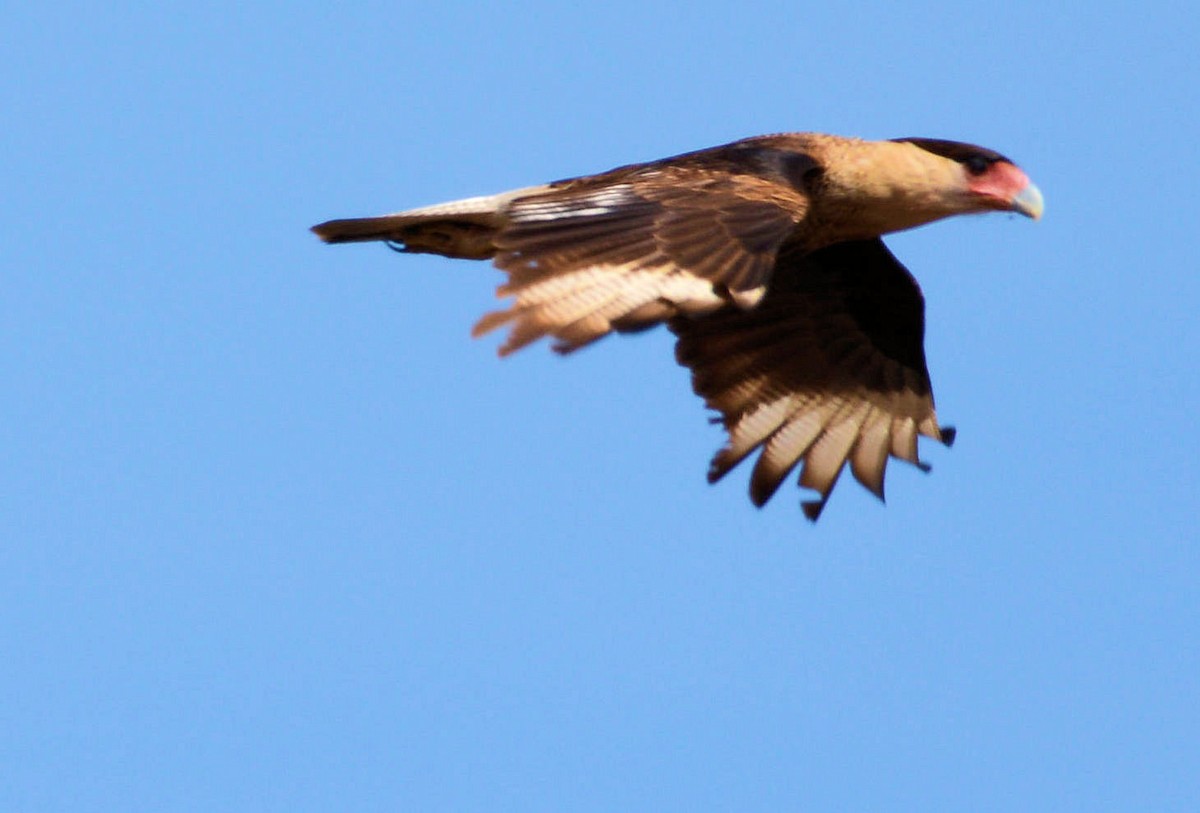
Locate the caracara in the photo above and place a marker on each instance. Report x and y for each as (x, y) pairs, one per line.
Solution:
(764, 258)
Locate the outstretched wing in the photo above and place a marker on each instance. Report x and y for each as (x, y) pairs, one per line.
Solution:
(631, 248)
(829, 367)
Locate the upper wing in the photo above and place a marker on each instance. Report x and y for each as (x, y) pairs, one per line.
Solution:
(628, 249)
(829, 367)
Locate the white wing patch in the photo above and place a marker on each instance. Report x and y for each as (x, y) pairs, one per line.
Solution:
(601, 202)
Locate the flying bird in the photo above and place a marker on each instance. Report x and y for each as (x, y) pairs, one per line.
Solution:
(801, 329)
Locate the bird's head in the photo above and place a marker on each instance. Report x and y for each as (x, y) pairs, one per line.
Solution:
(872, 188)
(987, 180)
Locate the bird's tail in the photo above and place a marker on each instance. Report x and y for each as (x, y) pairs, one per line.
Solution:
(419, 234)
(461, 228)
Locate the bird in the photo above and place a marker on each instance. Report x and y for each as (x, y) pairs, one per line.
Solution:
(802, 331)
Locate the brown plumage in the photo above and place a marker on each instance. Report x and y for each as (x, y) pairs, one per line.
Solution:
(763, 256)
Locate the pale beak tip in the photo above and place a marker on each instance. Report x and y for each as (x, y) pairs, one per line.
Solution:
(1029, 202)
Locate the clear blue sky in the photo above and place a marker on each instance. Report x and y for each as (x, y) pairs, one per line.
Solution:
(279, 536)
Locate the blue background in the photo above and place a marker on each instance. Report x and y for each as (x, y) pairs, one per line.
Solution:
(279, 536)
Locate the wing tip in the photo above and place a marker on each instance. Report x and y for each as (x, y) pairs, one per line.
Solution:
(490, 321)
(761, 493)
(721, 464)
(948, 435)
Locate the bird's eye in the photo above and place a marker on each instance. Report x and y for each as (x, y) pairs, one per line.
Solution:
(976, 164)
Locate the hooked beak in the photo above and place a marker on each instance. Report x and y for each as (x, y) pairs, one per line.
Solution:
(1028, 202)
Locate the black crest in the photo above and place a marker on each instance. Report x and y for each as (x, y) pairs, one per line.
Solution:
(957, 150)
